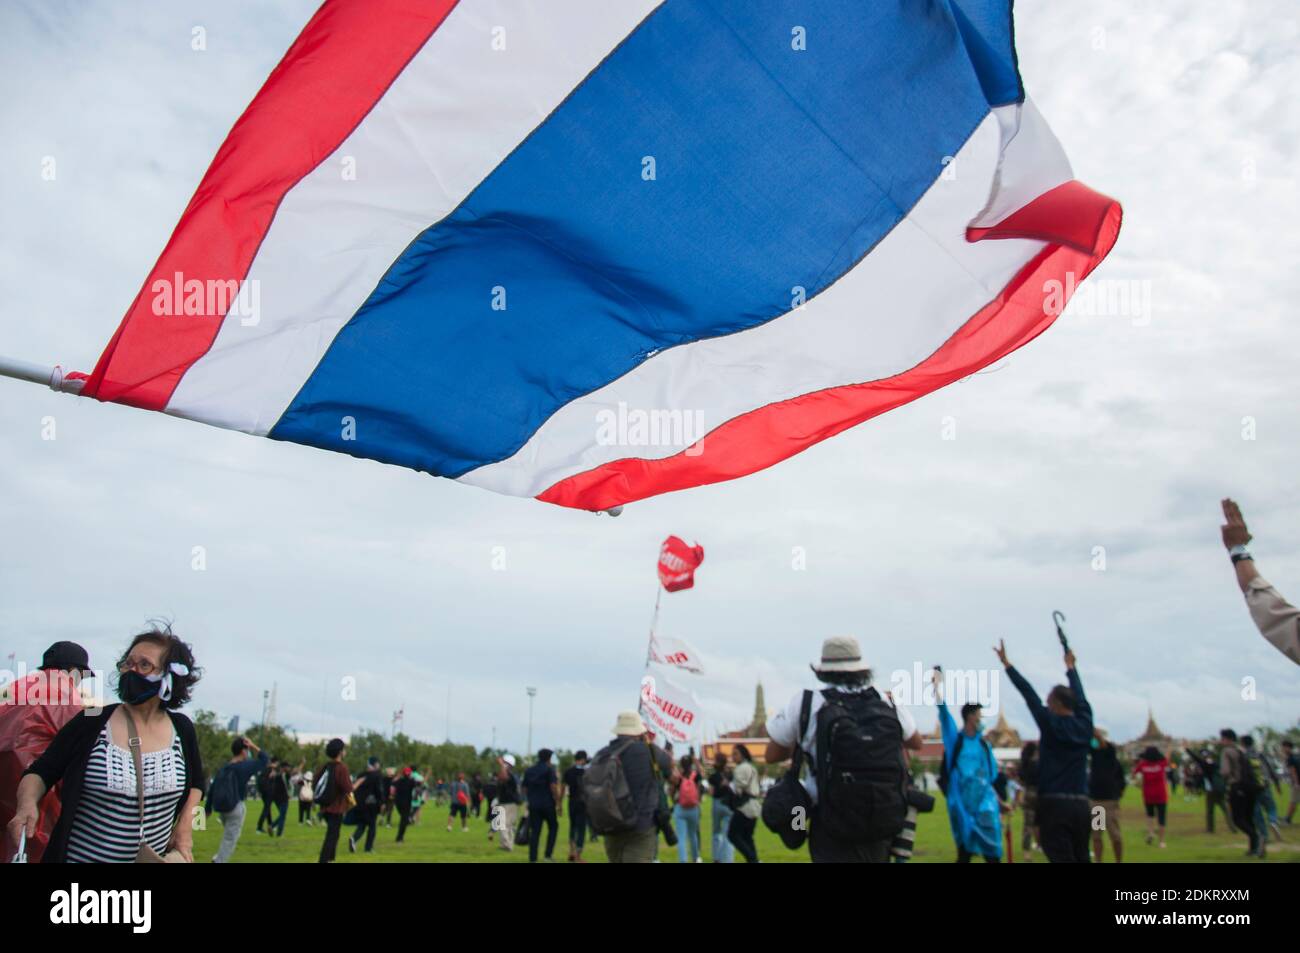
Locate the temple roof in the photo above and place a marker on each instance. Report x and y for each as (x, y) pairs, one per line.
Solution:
(1153, 732)
(1002, 735)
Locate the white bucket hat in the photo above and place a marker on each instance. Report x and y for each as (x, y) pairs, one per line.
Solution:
(841, 654)
(629, 723)
(508, 759)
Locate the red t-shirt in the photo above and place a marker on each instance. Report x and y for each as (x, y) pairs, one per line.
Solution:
(1155, 788)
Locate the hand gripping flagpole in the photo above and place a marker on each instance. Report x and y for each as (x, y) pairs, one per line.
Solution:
(54, 378)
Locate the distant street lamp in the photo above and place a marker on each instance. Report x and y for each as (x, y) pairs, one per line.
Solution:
(532, 693)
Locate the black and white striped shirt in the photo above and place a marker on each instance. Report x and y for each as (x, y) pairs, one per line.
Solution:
(107, 826)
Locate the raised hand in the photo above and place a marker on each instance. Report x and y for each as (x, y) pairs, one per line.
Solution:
(1234, 530)
(1001, 651)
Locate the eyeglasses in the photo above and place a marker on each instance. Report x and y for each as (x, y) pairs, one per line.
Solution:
(141, 665)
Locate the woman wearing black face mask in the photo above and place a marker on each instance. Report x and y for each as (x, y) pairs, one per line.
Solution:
(132, 776)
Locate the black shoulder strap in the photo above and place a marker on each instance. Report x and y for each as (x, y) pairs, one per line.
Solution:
(805, 713)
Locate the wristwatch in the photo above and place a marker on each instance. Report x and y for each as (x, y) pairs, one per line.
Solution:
(1239, 552)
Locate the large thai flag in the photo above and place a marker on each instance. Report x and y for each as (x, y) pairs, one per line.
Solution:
(595, 250)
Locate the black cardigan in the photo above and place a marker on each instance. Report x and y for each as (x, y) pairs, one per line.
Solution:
(66, 758)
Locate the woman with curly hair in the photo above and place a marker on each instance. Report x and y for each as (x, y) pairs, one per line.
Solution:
(132, 775)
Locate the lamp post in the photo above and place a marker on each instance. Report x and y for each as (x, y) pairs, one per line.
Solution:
(532, 693)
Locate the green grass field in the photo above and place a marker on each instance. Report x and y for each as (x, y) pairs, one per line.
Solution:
(431, 842)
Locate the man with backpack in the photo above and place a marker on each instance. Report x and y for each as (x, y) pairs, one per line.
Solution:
(333, 792)
(1243, 788)
(1265, 778)
(1065, 727)
(1106, 783)
(621, 788)
(968, 779)
(854, 738)
(571, 784)
(460, 800)
(226, 794)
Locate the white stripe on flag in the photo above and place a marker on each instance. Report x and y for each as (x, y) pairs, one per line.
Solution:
(458, 109)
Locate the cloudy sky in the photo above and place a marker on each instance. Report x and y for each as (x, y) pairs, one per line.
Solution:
(1113, 431)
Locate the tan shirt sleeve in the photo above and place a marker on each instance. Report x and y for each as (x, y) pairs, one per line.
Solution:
(1277, 620)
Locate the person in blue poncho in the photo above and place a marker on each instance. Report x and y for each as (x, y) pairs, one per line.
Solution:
(968, 781)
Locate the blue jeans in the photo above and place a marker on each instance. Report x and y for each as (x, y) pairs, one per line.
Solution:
(277, 825)
(723, 852)
(1265, 810)
(687, 822)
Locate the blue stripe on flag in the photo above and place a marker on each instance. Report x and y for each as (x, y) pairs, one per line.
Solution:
(774, 167)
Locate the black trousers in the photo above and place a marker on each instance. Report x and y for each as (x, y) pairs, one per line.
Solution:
(1243, 814)
(304, 811)
(741, 836)
(404, 812)
(265, 816)
(827, 850)
(537, 816)
(367, 822)
(577, 823)
(1064, 828)
(333, 823)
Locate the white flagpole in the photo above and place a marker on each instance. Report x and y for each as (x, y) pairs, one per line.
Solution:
(51, 377)
(654, 622)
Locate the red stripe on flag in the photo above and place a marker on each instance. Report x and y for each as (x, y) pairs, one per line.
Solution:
(341, 64)
(1082, 226)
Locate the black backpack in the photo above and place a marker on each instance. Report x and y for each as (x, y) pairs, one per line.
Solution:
(611, 808)
(861, 772)
(326, 789)
(225, 790)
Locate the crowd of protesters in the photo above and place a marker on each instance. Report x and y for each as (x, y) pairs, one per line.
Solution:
(125, 782)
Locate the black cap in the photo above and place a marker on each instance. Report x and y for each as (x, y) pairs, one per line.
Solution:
(66, 656)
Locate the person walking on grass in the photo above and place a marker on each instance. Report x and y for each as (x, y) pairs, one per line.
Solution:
(509, 797)
(749, 806)
(1291, 765)
(226, 793)
(1152, 767)
(720, 797)
(1029, 779)
(622, 787)
(369, 793)
(1216, 789)
(333, 794)
(1065, 727)
(265, 825)
(476, 794)
(403, 793)
(280, 798)
(686, 810)
(303, 781)
(967, 781)
(571, 784)
(852, 733)
(543, 789)
(1265, 804)
(1243, 790)
(390, 786)
(1106, 783)
(460, 799)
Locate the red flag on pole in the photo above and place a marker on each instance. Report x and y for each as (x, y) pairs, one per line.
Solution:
(677, 563)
